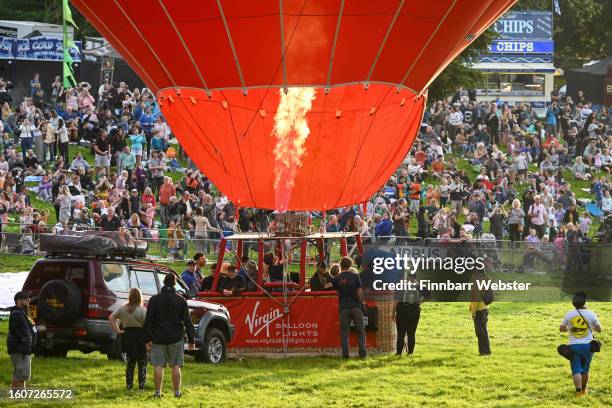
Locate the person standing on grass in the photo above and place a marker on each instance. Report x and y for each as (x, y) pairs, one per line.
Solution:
(62, 139)
(132, 318)
(352, 305)
(166, 323)
(480, 316)
(21, 340)
(407, 312)
(580, 323)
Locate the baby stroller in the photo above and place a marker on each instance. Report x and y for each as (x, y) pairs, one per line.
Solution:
(490, 251)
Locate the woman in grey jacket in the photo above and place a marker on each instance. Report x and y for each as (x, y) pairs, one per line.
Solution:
(516, 220)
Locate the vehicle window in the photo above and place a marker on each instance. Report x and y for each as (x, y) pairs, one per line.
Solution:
(145, 281)
(161, 274)
(76, 273)
(116, 277)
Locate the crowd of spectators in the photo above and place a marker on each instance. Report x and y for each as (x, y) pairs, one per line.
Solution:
(105, 159)
(474, 168)
(491, 168)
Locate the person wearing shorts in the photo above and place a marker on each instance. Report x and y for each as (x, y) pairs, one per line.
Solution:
(164, 355)
(580, 323)
(21, 340)
(166, 323)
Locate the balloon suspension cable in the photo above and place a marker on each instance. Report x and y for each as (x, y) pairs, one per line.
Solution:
(323, 226)
(285, 328)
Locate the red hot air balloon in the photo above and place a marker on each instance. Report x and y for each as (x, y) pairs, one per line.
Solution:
(292, 104)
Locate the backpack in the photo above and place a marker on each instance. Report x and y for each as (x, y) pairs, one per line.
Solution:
(488, 296)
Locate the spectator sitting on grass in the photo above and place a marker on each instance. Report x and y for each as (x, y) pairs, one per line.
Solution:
(580, 170)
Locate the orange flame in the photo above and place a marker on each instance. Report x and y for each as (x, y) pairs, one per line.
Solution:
(291, 131)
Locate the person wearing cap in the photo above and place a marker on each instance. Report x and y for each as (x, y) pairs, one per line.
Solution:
(21, 340)
(580, 323)
(166, 323)
(233, 283)
(135, 207)
(321, 280)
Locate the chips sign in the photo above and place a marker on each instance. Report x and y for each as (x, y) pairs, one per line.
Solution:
(525, 25)
(522, 47)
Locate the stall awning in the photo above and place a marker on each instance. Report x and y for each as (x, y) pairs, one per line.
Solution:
(514, 67)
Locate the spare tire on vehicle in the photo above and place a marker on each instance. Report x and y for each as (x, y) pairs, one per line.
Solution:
(59, 301)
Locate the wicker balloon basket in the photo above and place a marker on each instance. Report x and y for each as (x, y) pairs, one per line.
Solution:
(386, 334)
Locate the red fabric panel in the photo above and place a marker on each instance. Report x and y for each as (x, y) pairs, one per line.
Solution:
(155, 28)
(346, 160)
(105, 27)
(411, 31)
(362, 29)
(308, 30)
(256, 34)
(203, 31)
(117, 26)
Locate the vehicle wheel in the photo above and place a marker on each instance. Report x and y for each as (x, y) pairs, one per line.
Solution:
(59, 301)
(55, 353)
(114, 351)
(214, 348)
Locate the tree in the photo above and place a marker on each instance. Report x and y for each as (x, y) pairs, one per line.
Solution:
(459, 74)
(44, 11)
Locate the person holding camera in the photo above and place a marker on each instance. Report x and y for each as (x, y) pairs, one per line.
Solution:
(351, 304)
(538, 216)
(580, 323)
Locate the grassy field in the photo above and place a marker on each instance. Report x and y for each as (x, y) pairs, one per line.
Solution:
(523, 371)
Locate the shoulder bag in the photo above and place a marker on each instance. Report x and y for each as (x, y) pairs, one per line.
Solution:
(595, 344)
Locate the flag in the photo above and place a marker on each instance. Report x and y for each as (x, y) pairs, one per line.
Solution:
(69, 79)
(557, 7)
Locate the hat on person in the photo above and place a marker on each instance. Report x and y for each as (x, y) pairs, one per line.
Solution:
(134, 190)
(22, 295)
(321, 264)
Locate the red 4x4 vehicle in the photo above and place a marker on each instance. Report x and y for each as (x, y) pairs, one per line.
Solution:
(74, 296)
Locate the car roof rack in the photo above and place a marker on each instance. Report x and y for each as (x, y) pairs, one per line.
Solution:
(70, 255)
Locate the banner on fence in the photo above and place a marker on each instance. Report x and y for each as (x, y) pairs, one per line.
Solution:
(43, 48)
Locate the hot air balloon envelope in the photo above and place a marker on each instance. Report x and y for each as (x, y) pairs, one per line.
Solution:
(219, 69)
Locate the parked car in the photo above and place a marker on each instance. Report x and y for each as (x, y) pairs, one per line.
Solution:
(73, 296)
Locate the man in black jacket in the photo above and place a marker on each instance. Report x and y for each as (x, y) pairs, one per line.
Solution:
(21, 340)
(166, 322)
